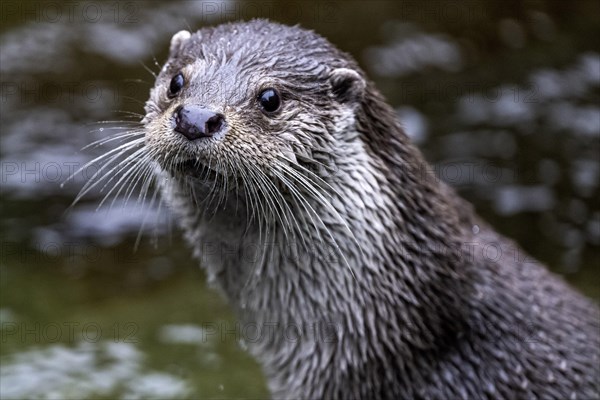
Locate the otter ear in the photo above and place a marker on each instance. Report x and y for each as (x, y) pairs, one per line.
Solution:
(177, 40)
(347, 85)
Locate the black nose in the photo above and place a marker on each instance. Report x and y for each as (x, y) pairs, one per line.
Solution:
(195, 122)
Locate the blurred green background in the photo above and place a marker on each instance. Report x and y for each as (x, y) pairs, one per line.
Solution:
(502, 96)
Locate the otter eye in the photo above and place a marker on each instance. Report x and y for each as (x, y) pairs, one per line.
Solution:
(269, 100)
(176, 85)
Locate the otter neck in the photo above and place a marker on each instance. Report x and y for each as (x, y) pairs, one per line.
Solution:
(390, 235)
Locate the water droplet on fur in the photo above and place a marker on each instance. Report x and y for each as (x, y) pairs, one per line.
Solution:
(475, 229)
(563, 365)
(101, 129)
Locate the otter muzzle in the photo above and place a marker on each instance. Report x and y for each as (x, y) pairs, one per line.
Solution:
(195, 122)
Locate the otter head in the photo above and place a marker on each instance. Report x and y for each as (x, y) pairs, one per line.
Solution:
(252, 101)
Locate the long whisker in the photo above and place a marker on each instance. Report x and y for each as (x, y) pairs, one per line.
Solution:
(95, 181)
(131, 176)
(318, 196)
(118, 150)
(112, 138)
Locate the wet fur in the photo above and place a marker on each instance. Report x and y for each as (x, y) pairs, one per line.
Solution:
(377, 252)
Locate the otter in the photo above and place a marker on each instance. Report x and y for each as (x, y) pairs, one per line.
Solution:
(309, 208)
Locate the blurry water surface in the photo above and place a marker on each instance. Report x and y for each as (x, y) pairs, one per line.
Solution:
(502, 98)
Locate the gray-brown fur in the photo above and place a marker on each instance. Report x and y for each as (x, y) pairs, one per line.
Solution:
(386, 259)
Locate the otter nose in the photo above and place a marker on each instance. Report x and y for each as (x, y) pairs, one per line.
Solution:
(195, 122)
